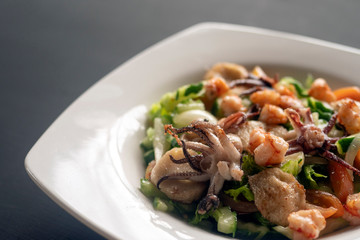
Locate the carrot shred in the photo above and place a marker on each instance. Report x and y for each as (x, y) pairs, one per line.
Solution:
(347, 92)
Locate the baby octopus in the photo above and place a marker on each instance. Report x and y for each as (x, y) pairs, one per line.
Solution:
(219, 160)
(311, 139)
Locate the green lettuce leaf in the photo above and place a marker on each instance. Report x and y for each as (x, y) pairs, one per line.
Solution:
(168, 103)
(249, 166)
(310, 176)
(243, 190)
(293, 163)
(319, 107)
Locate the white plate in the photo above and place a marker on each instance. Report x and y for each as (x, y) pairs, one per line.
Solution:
(89, 160)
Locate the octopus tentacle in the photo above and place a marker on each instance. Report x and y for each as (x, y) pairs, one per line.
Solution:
(252, 90)
(294, 119)
(199, 147)
(332, 157)
(182, 160)
(208, 202)
(194, 176)
(193, 163)
(292, 143)
(211, 200)
(232, 152)
(306, 114)
(330, 124)
(248, 82)
(294, 149)
(174, 131)
(254, 109)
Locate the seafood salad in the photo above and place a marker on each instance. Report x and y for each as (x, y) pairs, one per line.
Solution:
(255, 156)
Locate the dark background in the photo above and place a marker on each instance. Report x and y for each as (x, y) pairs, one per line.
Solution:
(52, 51)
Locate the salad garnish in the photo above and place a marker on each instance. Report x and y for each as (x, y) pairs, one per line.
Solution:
(255, 156)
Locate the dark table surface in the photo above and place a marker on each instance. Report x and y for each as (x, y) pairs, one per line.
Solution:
(52, 51)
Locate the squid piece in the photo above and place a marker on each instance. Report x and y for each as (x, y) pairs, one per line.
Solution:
(184, 184)
(219, 160)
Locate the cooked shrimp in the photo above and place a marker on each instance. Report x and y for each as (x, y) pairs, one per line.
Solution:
(214, 88)
(321, 91)
(272, 114)
(268, 149)
(265, 96)
(228, 71)
(352, 209)
(353, 204)
(245, 130)
(349, 115)
(285, 90)
(231, 104)
(219, 85)
(257, 137)
(306, 224)
(290, 102)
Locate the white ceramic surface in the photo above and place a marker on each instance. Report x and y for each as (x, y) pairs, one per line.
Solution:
(89, 160)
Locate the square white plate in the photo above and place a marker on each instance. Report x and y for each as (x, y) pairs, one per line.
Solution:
(89, 160)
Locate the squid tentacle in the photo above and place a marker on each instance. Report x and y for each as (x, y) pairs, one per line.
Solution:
(195, 176)
(332, 157)
(330, 124)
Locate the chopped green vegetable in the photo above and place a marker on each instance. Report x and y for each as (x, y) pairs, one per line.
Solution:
(147, 142)
(249, 230)
(309, 173)
(300, 90)
(185, 118)
(149, 190)
(215, 109)
(244, 190)
(325, 112)
(163, 205)
(169, 101)
(149, 156)
(286, 231)
(189, 104)
(193, 89)
(309, 81)
(288, 126)
(226, 220)
(199, 217)
(320, 123)
(344, 144)
(157, 111)
(293, 163)
(160, 144)
(249, 166)
(185, 209)
(263, 221)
